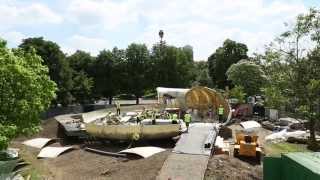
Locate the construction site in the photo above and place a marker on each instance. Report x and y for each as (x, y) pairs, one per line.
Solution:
(223, 140)
(160, 90)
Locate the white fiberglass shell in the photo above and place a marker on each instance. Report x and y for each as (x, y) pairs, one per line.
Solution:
(143, 151)
(37, 142)
(52, 152)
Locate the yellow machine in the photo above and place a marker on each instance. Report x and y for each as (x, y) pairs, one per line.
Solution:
(247, 145)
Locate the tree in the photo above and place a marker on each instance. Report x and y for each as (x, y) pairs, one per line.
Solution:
(137, 57)
(201, 73)
(293, 60)
(81, 64)
(172, 66)
(248, 75)
(219, 62)
(238, 93)
(106, 76)
(59, 70)
(26, 91)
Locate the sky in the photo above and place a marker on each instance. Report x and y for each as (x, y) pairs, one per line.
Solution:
(94, 25)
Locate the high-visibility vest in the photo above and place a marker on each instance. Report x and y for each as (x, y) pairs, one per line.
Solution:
(174, 117)
(118, 105)
(187, 118)
(220, 110)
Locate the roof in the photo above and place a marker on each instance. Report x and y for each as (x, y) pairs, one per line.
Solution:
(309, 160)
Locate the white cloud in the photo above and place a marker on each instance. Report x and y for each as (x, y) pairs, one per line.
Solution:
(13, 14)
(13, 37)
(79, 42)
(104, 13)
(206, 24)
(203, 24)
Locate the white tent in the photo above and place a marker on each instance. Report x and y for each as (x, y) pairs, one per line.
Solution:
(177, 96)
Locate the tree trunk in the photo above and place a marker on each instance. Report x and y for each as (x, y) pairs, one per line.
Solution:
(312, 130)
(110, 99)
(137, 100)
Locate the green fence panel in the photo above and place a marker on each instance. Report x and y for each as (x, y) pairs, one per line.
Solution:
(272, 168)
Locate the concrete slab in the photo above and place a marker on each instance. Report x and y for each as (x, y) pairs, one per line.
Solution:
(184, 167)
(193, 141)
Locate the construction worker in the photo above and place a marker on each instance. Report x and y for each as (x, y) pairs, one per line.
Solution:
(174, 119)
(118, 107)
(187, 119)
(220, 113)
(153, 116)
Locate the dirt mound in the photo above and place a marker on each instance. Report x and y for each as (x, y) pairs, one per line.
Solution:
(224, 167)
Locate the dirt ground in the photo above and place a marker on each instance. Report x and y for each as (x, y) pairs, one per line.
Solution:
(222, 167)
(79, 164)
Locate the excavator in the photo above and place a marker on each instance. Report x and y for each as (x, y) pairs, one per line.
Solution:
(247, 145)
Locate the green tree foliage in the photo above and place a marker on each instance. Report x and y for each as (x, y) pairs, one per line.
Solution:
(26, 91)
(201, 73)
(136, 62)
(248, 75)
(59, 70)
(81, 64)
(219, 62)
(238, 93)
(106, 74)
(172, 66)
(292, 65)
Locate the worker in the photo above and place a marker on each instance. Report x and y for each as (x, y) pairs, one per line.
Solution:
(220, 113)
(187, 119)
(139, 118)
(174, 119)
(153, 116)
(118, 107)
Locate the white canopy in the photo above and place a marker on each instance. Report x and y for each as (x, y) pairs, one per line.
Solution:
(174, 92)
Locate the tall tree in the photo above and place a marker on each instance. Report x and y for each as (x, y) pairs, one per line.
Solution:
(219, 62)
(248, 75)
(137, 57)
(25, 91)
(106, 77)
(201, 73)
(59, 70)
(172, 66)
(81, 64)
(294, 65)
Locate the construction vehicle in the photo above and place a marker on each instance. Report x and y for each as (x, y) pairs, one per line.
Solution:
(247, 146)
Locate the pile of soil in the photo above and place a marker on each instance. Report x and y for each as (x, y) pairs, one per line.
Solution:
(222, 167)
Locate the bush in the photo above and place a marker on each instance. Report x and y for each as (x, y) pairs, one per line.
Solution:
(26, 91)
(238, 93)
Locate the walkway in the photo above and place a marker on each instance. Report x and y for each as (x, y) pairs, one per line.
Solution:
(189, 158)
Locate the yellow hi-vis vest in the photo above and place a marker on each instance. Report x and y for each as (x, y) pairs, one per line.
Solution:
(220, 110)
(174, 117)
(187, 118)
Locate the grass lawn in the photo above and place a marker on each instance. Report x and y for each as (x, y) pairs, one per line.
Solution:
(275, 149)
